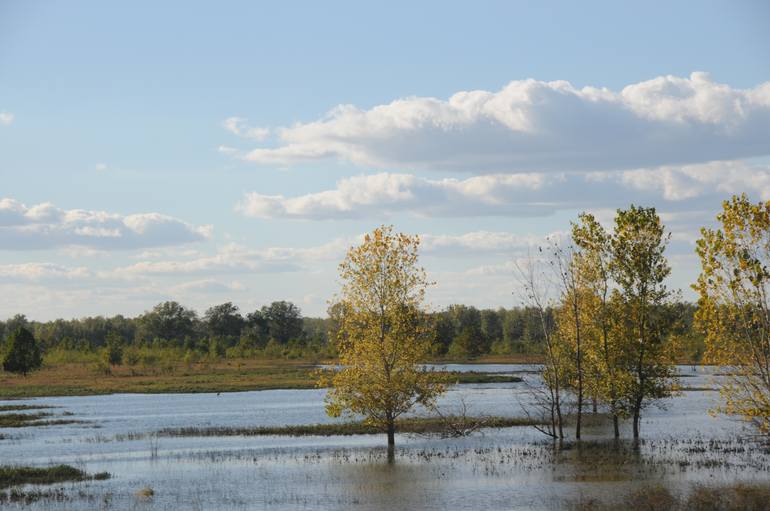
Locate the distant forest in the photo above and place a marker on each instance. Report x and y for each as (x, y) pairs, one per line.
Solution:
(280, 330)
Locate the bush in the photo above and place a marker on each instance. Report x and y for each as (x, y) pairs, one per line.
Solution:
(22, 354)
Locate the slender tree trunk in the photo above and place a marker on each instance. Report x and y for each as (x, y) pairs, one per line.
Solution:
(594, 405)
(558, 415)
(637, 415)
(391, 440)
(615, 425)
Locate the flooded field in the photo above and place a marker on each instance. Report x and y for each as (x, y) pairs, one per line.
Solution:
(512, 468)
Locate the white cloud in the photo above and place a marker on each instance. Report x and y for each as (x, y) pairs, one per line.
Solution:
(227, 149)
(236, 259)
(362, 195)
(6, 118)
(691, 181)
(100, 167)
(45, 226)
(698, 187)
(207, 286)
(237, 126)
(36, 272)
(532, 125)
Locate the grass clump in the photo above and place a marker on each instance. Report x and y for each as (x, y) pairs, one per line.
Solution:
(477, 377)
(20, 408)
(19, 475)
(24, 420)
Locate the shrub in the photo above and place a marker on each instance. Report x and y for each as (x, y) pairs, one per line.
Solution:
(22, 353)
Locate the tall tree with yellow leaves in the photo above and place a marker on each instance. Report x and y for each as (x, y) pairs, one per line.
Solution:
(604, 355)
(640, 269)
(734, 308)
(382, 333)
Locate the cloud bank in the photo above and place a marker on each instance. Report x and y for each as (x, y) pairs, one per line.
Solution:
(522, 195)
(45, 226)
(535, 126)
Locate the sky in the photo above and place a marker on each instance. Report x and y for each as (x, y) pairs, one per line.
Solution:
(208, 152)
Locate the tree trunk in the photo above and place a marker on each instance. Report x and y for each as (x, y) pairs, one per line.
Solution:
(579, 414)
(615, 425)
(391, 441)
(637, 413)
(595, 406)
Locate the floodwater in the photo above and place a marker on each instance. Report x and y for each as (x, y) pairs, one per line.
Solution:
(513, 468)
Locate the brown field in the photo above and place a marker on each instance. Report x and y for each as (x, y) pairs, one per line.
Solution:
(230, 375)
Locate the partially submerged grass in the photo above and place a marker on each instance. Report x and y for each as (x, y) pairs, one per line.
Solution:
(19, 496)
(18, 475)
(736, 497)
(697, 389)
(421, 425)
(19, 408)
(477, 377)
(25, 420)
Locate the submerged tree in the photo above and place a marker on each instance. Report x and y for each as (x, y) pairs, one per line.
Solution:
(570, 324)
(548, 400)
(382, 333)
(640, 269)
(603, 347)
(22, 353)
(734, 309)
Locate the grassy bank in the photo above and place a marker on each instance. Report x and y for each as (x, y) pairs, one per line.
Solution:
(230, 375)
(16, 475)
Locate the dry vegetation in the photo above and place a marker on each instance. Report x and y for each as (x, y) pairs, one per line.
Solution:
(228, 375)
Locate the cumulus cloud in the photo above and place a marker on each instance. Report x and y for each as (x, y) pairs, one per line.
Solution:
(535, 126)
(530, 194)
(46, 226)
(239, 127)
(6, 118)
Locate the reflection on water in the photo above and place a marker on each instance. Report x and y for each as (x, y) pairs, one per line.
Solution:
(515, 468)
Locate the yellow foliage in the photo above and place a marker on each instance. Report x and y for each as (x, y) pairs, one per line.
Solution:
(733, 308)
(381, 332)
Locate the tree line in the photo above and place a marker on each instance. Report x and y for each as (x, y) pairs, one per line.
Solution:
(459, 331)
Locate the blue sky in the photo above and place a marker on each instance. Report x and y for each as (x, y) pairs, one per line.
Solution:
(197, 151)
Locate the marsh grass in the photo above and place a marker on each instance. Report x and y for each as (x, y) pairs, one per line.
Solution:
(700, 497)
(19, 475)
(419, 425)
(25, 420)
(20, 408)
